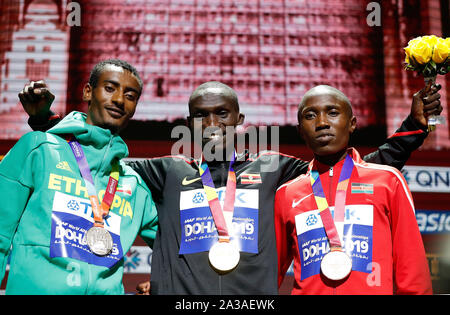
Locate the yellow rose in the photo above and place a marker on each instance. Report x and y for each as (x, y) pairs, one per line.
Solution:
(408, 54)
(447, 41)
(420, 50)
(408, 49)
(411, 43)
(441, 51)
(414, 40)
(430, 40)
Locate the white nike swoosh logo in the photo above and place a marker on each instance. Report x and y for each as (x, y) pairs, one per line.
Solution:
(189, 181)
(296, 203)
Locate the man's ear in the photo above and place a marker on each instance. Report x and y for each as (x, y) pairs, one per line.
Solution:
(241, 119)
(352, 124)
(87, 93)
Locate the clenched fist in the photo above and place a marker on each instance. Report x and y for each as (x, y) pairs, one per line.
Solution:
(36, 98)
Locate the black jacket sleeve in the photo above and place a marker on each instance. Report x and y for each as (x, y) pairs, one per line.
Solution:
(398, 148)
(291, 168)
(43, 122)
(153, 172)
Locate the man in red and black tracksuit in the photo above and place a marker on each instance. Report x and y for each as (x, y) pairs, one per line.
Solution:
(380, 232)
(178, 193)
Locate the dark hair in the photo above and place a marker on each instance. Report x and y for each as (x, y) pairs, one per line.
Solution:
(321, 89)
(221, 88)
(99, 67)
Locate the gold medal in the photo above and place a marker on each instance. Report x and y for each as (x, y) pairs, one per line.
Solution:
(224, 256)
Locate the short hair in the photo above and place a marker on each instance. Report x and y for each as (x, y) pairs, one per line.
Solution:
(99, 67)
(220, 87)
(319, 90)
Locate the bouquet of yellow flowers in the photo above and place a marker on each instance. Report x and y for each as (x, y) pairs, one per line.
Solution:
(429, 56)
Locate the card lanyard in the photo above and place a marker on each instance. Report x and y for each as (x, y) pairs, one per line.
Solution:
(213, 199)
(100, 211)
(331, 226)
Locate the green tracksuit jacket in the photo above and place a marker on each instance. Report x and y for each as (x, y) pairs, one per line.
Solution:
(45, 211)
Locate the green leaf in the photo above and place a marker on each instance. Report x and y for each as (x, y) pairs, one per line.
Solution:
(432, 65)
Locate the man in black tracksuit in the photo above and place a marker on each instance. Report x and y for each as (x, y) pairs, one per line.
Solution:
(185, 223)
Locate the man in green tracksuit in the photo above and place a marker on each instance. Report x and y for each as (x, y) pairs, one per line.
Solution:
(46, 204)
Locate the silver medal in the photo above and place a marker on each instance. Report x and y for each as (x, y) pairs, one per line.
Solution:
(99, 241)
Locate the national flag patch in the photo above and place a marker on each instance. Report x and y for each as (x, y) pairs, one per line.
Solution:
(360, 188)
(126, 189)
(247, 179)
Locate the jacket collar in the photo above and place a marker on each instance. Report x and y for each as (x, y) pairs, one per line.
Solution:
(93, 138)
(354, 154)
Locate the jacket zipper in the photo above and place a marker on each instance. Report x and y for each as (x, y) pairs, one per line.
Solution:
(330, 190)
(105, 155)
(95, 177)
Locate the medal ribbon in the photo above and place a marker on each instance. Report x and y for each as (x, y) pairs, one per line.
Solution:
(100, 211)
(213, 199)
(339, 207)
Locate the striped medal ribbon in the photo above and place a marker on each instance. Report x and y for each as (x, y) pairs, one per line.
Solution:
(223, 255)
(98, 238)
(336, 264)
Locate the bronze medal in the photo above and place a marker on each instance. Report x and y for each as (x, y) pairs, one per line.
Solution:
(336, 265)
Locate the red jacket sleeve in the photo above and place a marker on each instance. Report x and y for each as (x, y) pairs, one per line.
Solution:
(411, 272)
(283, 235)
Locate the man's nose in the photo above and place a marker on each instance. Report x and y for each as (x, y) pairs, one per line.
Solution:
(322, 121)
(211, 120)
(118, 98)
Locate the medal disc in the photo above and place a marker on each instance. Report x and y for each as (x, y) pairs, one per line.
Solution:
(336, 265)
(99, 241)
(224, 256)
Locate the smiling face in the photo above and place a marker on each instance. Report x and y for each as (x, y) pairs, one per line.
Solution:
(112, 102)
(213, 111)
(325, 123)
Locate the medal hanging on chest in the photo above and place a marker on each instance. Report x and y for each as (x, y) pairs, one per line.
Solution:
(336, 264)
(223, 255)
(97, 237)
